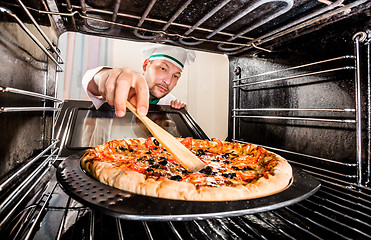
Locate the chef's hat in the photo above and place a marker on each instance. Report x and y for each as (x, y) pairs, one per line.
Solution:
(176, 55)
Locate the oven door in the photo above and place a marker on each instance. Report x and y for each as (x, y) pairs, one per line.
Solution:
(81, 126)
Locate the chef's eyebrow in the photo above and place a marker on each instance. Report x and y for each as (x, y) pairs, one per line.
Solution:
(164, 62)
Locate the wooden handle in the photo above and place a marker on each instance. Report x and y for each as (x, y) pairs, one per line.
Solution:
(185, 157)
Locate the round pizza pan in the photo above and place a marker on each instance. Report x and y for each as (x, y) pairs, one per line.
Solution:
(126, 205)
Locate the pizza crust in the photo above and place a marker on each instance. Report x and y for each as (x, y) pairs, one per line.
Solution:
(135, 182)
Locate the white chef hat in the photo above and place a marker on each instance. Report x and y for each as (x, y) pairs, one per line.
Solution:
(176, 55)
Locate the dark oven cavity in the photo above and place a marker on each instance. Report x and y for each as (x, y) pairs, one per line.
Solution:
(299, 86)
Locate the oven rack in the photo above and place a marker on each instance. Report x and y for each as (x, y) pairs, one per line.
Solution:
(318, 217)
(34, 175)
(43, 97)
(158, 34)
(33, 37)
(57, 62)
(195, 34)
(245, 84)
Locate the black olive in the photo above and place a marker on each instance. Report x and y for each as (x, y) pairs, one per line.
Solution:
(175, 178)
(148, 152)
(156, 166)
(131, 150)
(123, 148)
(200, 152)
(156, 142)
(225, 156)
(154, 148)
(229, 175)
(162, 158)
(185, 171)
(151, 161)
(207, 170)
(242, 169)
(150, 170)
(215, 160)
(163, 162)
(235, 168)
(227, 162)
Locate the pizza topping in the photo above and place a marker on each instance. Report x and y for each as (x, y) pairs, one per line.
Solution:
(187, 142)
(175, 178)
(228, 164)
(156, 142)
(200, 152)
(207, 170)
(246, 176)
(218, 147)
(229, 175)
(241, 169)
(163, 162)
(225, 156)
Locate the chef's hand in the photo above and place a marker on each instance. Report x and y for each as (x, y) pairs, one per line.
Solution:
(117, 85)
(178, 104)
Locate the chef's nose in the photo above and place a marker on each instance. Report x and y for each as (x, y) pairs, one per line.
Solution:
(167, 80)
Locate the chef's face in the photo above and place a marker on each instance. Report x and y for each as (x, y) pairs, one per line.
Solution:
(161, 76)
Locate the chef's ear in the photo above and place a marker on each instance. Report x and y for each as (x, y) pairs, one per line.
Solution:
(145, 64)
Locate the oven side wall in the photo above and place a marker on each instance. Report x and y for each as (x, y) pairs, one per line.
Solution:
(334, 90)
(24, 66)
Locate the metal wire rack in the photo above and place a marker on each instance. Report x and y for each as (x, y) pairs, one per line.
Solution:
(319, 217)
(196, 34)
(249, 83)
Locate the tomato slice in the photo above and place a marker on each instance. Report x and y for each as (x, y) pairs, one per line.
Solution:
(113, 144)
(171, 158)
(112, 156)
(137, 168)
(195, 177)
(218, 148)
(187, 142)
(135, 144)
(201, 144)
(149, 143)
(259, 155)
(245, 176)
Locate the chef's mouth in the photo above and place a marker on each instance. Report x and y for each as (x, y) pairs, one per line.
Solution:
(163, 88)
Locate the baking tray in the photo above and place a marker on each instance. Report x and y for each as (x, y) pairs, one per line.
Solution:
(118, 203)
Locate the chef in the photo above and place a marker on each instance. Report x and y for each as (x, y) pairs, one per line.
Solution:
(162, 69)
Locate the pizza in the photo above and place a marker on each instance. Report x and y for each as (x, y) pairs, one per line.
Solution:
(234, 170)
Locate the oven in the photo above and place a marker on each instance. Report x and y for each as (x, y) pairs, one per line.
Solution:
(299, 85)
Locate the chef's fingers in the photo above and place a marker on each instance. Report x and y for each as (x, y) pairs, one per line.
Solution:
(123, 85)
(177, 104)
(141, 94)
(111, 85)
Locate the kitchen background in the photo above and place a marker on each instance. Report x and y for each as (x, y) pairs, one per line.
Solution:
(203, 85)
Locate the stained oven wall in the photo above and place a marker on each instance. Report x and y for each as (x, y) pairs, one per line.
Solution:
(332, 141)
(24, 66)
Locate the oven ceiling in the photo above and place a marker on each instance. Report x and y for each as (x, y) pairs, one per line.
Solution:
(233, 27)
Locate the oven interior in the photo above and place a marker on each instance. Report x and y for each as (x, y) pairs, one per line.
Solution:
(299, 86)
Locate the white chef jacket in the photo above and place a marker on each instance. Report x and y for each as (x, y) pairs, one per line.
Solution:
(98, 100)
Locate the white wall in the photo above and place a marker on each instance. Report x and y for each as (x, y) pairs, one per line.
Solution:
(203, 85)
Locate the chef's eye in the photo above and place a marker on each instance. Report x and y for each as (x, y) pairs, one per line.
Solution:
(163, 69)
